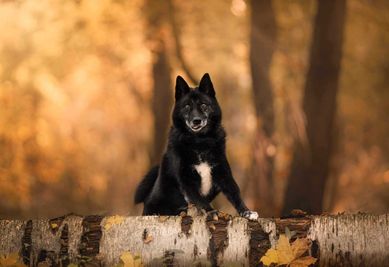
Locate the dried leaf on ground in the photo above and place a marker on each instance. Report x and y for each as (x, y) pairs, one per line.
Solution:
(289, 254)
(303, 262)
(148, 239)
(129, 260)
(11, 260)
(113, 220)
(270, 257)
(284, 250)
(54, 225)
(300, 246)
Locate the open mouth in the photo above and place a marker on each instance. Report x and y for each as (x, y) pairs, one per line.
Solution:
(196, 127)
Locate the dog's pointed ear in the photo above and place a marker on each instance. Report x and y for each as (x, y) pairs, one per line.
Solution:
(182, 88)
(206, 85)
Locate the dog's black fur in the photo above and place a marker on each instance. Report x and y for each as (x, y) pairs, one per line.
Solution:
(196, 137)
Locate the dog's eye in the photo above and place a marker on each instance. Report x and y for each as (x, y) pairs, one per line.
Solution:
(186, 108)
(204, 107)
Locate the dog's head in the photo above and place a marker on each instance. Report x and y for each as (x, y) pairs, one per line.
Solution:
(196, 110)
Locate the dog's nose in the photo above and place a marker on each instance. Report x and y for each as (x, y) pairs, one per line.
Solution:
(196, 121)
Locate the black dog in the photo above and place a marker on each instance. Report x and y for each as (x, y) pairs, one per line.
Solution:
(194, 168)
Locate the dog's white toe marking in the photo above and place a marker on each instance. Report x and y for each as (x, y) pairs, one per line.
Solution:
(251, 215)
(204, 170)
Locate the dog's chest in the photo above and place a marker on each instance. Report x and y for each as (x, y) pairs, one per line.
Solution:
(204, 169)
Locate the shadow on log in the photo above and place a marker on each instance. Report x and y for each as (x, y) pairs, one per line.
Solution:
(192, 240)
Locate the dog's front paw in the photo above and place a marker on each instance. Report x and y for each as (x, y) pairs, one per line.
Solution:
(251, 215)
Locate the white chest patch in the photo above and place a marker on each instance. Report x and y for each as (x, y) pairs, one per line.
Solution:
(204, 170)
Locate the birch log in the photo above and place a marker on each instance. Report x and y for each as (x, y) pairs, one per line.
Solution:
(341, 240)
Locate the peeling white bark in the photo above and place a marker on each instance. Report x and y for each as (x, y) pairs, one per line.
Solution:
(238, 243)
(347, 240)
(11, 233)
(352, 240)
(166, 237)
(43, 238)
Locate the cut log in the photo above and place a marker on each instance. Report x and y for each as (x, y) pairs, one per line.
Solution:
(189, 240)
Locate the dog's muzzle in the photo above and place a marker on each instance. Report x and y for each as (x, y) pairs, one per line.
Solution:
(196, 124)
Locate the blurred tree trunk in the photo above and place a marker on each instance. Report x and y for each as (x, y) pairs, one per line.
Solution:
(310, 166)
(178, 48)
(156, 15)
(262, 45)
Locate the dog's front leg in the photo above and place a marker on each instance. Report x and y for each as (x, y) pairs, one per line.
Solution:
(230, 189)
(198, 200)
(193, 196)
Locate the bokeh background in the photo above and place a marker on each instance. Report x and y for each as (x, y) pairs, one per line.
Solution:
(86, 91)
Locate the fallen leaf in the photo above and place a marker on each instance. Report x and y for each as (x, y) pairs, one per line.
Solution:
(270, 257)
(284, 250)
(129, 260)
(288, 254)
(303, 262)
(11, 260)
(112, 220)
(148, 239)
(299, 247)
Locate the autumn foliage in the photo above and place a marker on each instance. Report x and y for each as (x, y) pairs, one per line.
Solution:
(77, 110)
